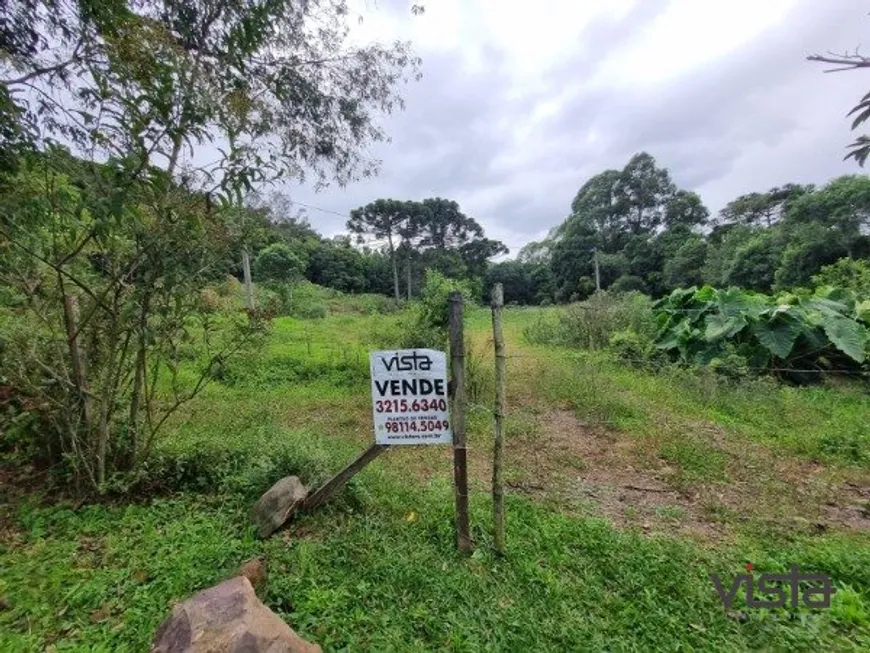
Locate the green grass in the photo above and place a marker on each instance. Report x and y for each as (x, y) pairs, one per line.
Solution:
(814, 422)
(366, 574)
(362, 577)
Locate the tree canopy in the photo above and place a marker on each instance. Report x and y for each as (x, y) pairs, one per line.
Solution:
(647, 234)
(433, 233)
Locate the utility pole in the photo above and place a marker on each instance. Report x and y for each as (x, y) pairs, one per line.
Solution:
(246, 272)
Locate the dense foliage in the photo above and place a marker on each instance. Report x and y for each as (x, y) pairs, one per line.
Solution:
(107, 321)
(798, 335)
(592, 323)
(426, 325)
(643, 233)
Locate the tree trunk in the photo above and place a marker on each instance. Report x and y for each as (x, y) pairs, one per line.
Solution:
(106, 394)
(408, 266)
(102, 443)
(395, 267)
(77, 360)
(135, 401)
(138, 379)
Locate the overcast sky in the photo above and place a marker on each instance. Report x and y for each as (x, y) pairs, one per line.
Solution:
(520, 103)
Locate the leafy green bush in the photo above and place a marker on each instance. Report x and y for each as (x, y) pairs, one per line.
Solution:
(237, 468)
(307, 300)
(427, 323)
(545, 330)
(591, 323)
(799, 336)
(632, 347)
(278, 263)
(846, 273)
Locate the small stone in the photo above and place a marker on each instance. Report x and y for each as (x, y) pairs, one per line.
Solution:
(277, 505)
(98, 616)
(255, 571)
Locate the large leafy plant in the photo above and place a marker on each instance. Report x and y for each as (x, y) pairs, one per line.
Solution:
(794, 335)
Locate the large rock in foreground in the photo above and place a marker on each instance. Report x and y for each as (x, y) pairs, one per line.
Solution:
(227, 618)
(279, 503)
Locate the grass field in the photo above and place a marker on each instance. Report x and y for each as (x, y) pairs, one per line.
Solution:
(626, 489)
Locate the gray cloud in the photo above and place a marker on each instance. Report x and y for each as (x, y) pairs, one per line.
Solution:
(760, 117)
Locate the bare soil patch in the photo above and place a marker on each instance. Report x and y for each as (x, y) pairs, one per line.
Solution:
(603, 471)
(623, 479)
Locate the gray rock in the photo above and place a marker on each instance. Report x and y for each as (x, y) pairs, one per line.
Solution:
(279, 503)
(227, 618)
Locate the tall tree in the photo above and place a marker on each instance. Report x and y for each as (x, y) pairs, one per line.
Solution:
(763, 209)
(809, 248)
(388, 220)
(275, 85)
(475, 253)
(647, 190)
(447, 236)
(279, 90)
(619, 214)
(755, 262)
(685, 209)
(842, 207)
(440, 224)
(601, 206)
(683, 269)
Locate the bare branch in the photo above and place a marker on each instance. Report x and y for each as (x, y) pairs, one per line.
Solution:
(845, 61)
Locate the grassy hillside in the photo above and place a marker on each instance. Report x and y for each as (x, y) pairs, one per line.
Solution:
(626, 489)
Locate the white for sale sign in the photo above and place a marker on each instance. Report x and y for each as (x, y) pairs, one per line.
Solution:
(409, 397)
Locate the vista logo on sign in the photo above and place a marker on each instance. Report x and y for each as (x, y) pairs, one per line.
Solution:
(409, 397)
(407, 362)
(817, 590)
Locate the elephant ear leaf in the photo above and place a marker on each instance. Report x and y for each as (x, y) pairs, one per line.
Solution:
(846, 335)
(723, 326)
(778, 334)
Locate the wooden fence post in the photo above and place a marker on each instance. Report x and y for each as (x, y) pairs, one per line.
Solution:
(460, 462)
(498, 422)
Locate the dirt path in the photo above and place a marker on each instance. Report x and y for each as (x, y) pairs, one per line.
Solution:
(554, 455)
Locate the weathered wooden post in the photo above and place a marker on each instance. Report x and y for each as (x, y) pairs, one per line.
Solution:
(326, 491)
(498, 421)
(460, 460)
